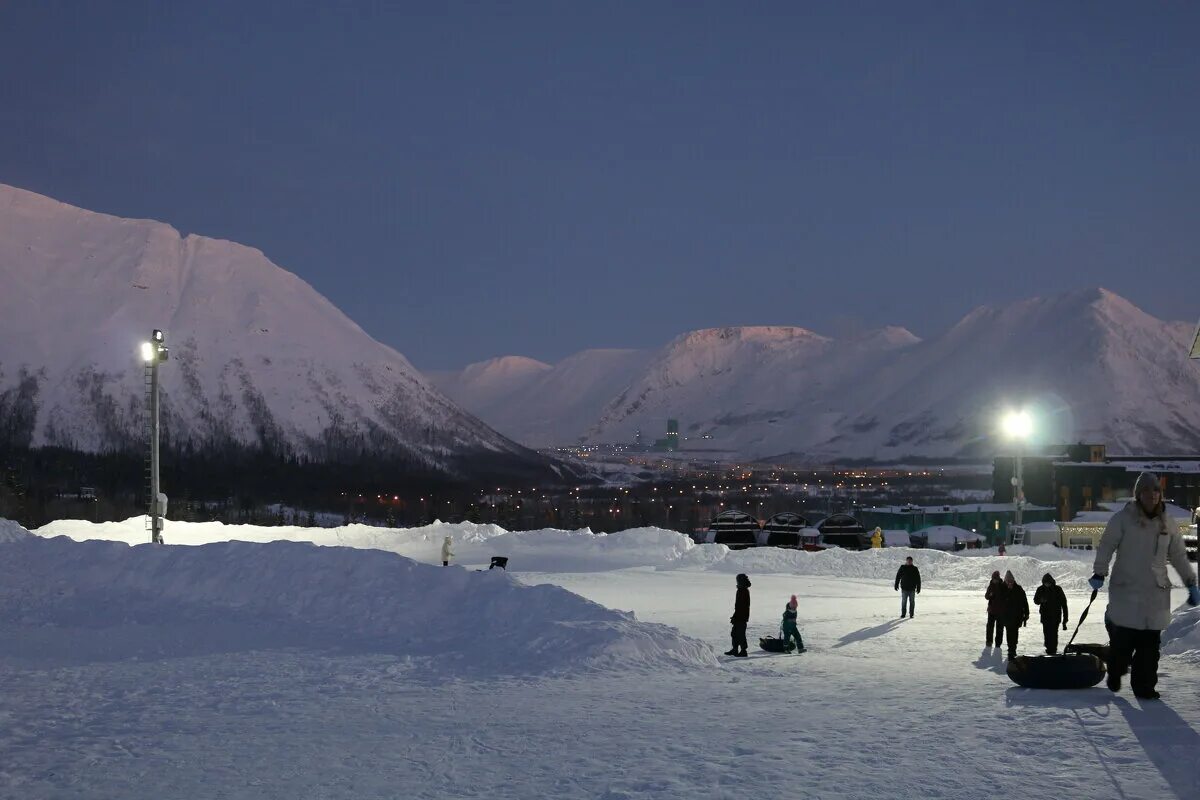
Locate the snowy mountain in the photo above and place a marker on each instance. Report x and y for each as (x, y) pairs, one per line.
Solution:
(488, 384)
(257, 356)
(751, 390)
(541, 405)
(1090, 364)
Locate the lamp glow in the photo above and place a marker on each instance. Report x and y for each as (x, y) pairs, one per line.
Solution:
(147, 352)
(1017, 424)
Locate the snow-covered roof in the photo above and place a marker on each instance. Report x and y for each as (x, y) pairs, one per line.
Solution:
(947, 534)
(964, 508)
(1104, 514)
(1173, 467)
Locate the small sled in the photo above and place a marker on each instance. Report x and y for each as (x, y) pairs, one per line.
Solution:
(773, 644)
(1079, 668)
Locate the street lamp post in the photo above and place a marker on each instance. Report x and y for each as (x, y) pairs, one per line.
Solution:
(1017, 426)
(154, 352)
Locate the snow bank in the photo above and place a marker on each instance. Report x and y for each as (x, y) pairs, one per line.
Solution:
(939, 570)
(1182, 636)
(584, 551)
(12, 532)
(530, 551)
(250, 596)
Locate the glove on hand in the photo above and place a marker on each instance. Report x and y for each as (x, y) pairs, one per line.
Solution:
(1095, 581)
(1194, 595)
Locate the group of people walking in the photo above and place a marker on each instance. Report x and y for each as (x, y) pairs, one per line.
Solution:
(1008, 611)
(1143, 539)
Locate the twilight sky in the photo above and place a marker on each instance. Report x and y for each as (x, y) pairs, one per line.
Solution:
(468, 180)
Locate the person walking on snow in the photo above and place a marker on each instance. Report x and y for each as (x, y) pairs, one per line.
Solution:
(1143, 538)
(1015, 612)
(995, 606)
(908, 583)
(1053, 611)
(740, 618)
(447, 552)
(790, 630)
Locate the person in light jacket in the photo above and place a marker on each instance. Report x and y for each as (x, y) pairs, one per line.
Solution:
(447, 551)
(1144, 538)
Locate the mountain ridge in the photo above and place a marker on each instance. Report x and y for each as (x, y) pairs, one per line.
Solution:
(258, 357)
(1089, 363)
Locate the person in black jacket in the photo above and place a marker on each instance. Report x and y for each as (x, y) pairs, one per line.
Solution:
(741, 616)
(1015, 612)
(995, 598)
(1053, 611)
(908, 583)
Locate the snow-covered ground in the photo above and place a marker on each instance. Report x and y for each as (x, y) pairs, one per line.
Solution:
(285, 670)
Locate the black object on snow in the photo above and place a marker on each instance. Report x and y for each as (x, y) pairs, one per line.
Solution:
(1074, 670)
(499, 561)
(1070, 671)
(775, 645)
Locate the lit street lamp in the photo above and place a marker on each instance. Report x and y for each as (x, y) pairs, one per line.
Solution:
(154, 352)
(1017, 426)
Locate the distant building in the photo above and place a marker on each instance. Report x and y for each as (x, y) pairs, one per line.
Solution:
(1075, 478)
(989, 520)
(671, 443)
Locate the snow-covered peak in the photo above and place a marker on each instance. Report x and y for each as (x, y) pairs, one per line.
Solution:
(504, 370)
(257, 355)
(760, 335)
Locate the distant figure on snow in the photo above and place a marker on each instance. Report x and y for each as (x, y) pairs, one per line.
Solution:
(447, 552)
(995, 607)
(1144, 538)
(740, 618)
(908, 582)
(790, 630)
(1053, 611)
(877, 539)
(1015, 612)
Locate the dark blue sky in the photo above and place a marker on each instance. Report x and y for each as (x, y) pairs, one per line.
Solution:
(468, 180)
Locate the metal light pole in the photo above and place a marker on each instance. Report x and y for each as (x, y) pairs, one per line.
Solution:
(1020, 484)
(154, 352)
(1018, 425)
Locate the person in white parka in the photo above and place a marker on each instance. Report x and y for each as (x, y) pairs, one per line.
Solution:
(1144, 538)
(447, 552)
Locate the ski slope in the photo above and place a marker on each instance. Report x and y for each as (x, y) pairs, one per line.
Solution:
(260, 669)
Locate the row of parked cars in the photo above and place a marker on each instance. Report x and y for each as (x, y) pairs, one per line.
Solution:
(738, 530)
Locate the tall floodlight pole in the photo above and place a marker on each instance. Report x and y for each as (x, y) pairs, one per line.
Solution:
(1017, 426)
(154, 352)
